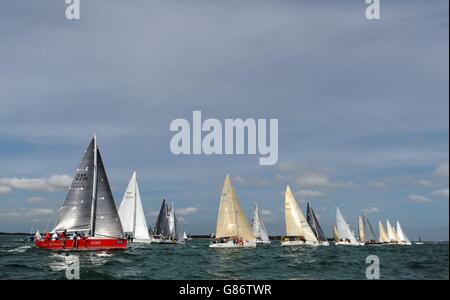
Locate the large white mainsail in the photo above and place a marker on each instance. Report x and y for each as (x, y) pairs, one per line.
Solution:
(296, 223)
(231, 220)
(258, 229)
(343, 229)
(131, 212)
(401, 235)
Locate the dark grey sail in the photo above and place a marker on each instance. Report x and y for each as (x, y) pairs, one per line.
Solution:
(75, 214)
(107, 221)
(162, 219)
(314, 224)
(369, 233)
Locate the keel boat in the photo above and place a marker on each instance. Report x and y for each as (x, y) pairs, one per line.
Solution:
(315, 226)
(131, 214)
(404, 240)
(258, 229)
(346, 236)
(298, 231)
(167, 230)
(88, 219)
(233, 229)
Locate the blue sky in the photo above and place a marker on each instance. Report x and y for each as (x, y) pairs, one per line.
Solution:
(362, 106)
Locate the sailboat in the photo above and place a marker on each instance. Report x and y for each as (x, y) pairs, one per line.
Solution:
(185, 236)
(392, 234)
(298, 231)
(132, 215)
(404, 240)
(315, 226)
(233, 229)
(419, 241)
(167, 230)
(367, 235)
(383, 236)
(88, 219)
(258, 229)
(346, 236)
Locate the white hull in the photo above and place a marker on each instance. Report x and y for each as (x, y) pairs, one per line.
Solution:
(141, 241)
(167, 242)
(263, 242)
(419, 243)
(230, 244)
(298, 243)
(324, 243)
(348, 244)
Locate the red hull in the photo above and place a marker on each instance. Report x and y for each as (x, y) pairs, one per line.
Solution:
(83, 244)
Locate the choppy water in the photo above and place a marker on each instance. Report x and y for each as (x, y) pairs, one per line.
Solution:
(21, 260)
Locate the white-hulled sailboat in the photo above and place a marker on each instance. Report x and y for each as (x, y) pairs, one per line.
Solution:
(383, 236)
(315, 226)
(346, 236)
(404, 240)
(392, 235)
(298, 231)
(132, 215)
(258, 229)
(233, 229)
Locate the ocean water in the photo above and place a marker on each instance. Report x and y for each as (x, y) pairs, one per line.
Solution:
(21, 260)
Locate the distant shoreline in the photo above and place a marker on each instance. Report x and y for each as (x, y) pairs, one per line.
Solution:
(197, 236)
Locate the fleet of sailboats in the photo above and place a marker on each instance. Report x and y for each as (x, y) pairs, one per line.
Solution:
(89, 220)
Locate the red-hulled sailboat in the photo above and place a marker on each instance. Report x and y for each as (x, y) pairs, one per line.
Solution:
(88, 218)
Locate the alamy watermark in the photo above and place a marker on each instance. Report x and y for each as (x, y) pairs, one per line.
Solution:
(373, 270)
(72, 10)
(373, 9)
(72, 267)
(234, 137)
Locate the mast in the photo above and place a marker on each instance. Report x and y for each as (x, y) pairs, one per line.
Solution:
(94, 188)
(135, 204)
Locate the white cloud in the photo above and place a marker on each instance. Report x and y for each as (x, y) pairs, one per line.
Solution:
(379, 184)
(321, 181)
(309, 194)
(444, 193)
(371, 209)
(419, 199)
(442, 170)
(153, 213)
(36, 200)
(266, 212)
(183, 211)
(33, 214)
(288, 166)
(4, 190)
(52, 184)
(254, 182)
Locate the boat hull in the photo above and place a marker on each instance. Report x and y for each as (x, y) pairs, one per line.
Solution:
(298, 243)
(88, 244)
(348, 244)
(141, 241)
(263, 242)
(230, 244)
(324, 244)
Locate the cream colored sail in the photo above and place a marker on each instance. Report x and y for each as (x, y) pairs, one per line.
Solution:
(226, 218)
(335, 234)
(243, 227)
(361, 229)
(296, 223)
(383, 236)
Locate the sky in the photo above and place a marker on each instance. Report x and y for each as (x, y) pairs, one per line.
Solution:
(362, 106)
